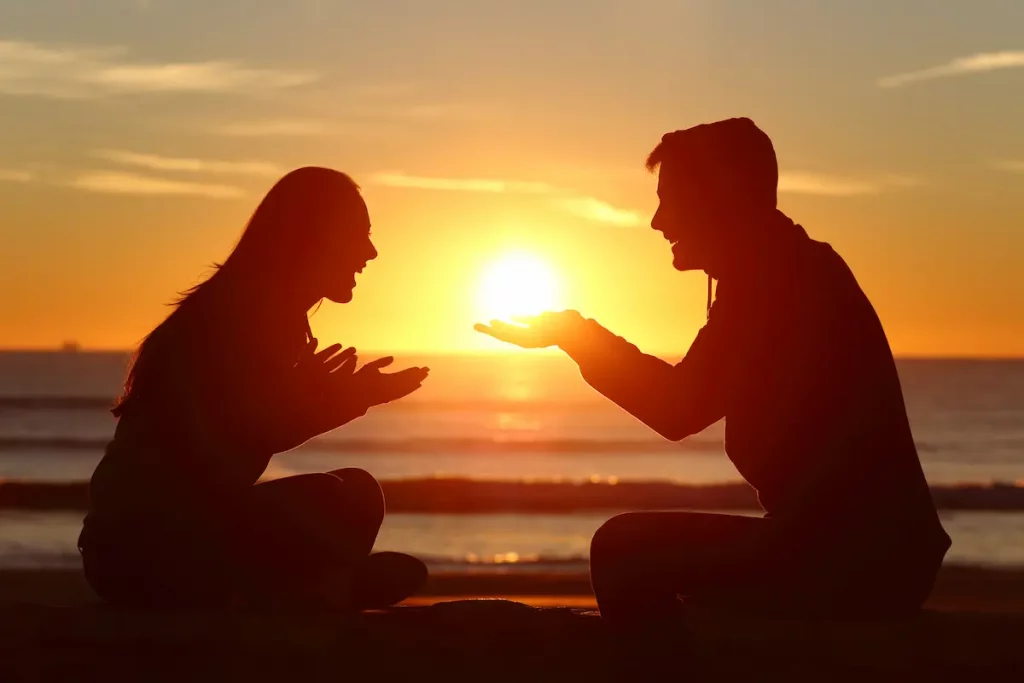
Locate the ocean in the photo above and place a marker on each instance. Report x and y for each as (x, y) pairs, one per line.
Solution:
(511, 417)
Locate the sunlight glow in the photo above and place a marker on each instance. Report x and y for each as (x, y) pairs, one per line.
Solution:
(518, 283)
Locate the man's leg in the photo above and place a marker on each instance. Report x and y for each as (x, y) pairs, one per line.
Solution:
(640, 562)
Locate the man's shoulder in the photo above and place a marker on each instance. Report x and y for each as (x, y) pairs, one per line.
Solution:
(819, 262)
(811, 279)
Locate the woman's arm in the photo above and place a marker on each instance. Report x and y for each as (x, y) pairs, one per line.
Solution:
(323, 392)
(243, 402)
(303, 401)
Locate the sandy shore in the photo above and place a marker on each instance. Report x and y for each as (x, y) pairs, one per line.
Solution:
(52, 628)
(958, 589)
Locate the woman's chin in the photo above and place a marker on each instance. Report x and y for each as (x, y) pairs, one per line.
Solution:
(341, 297)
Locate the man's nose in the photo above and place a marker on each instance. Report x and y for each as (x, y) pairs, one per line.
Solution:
(656, 222)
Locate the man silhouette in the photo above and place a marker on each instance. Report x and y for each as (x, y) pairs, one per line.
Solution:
(794, 358)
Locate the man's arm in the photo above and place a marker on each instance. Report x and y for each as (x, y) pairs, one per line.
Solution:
(675, 401)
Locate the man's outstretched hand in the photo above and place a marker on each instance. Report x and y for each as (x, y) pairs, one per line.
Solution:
(535, 331)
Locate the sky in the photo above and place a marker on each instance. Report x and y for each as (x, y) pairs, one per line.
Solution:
(137, 136)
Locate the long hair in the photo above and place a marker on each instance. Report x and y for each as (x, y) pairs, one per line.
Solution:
(282, 234)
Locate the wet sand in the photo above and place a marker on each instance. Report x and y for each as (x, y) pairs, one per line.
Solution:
(958, 589)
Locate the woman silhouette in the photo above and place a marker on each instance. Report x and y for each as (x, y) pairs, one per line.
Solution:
(227, 380)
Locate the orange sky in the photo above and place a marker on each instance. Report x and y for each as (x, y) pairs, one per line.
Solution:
(136, 139)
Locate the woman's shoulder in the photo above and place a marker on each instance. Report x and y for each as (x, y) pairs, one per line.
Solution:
(204, 346)
(249, 344)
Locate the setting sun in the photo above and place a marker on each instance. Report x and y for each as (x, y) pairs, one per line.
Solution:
(518, 283)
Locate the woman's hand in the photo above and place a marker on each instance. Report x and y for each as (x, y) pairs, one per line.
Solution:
(332, 392)
(318, 372)
(318, 399)
(373, 387)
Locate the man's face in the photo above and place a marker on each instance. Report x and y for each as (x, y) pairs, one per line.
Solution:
(686, 218)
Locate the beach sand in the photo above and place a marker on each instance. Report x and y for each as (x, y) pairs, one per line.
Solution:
(51, 628)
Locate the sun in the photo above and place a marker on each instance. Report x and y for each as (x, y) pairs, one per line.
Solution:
(518, 283)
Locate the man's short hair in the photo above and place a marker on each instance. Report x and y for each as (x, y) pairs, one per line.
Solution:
(733, 156)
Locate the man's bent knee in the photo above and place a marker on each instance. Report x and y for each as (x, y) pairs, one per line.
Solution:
(621, 573)
(611, 542)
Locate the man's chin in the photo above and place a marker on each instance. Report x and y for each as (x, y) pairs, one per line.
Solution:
(683, 264)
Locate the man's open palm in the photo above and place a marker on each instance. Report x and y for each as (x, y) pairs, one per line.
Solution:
(534, 331)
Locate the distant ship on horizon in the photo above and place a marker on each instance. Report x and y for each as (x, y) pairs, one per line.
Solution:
(71, 346)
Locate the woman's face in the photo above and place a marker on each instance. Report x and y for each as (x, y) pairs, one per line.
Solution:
(348, 250)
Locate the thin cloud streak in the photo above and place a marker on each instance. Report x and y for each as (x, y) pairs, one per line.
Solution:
(113, 182)
(273, 128)
(825, 185)
(423, 111)
(155, 162)
(601, 212)
(1008, 165)
(460, 184)
(893, 180)
(801, 182)
(589, 208)
(978, 63)
(69, 72)
(10, 175)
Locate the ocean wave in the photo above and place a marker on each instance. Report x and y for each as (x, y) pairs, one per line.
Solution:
(49, 443)
(24, 556)
(470, 446)
(510, 559)
(56, 403)
(476, 496)
(427, 446)
(482, 405)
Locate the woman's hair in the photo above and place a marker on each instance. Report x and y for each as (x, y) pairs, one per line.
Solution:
(281, 236)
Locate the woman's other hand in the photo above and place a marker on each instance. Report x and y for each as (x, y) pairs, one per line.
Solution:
(373, 387)
(318, 372)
